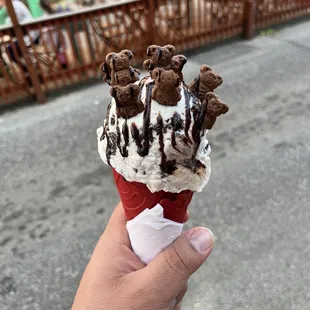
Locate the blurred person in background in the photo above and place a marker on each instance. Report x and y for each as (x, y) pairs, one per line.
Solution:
(3, 16)
(32, 37)
(23, 14)
(55, 35)
(46, 6)
(49, 8)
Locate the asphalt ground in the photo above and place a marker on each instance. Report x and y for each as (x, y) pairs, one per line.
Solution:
(57, 195)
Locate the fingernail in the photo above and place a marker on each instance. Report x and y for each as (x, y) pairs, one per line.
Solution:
(201, 239)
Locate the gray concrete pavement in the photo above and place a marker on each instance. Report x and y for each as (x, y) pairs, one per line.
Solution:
(56, 194)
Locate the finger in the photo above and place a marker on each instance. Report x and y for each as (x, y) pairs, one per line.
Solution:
(116, 232)
(181, 295)
(176, 303)
(118, 216)
(114, 246)
(173, 267)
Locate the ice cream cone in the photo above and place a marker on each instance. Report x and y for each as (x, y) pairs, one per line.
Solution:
(136, 197)
(155, 135)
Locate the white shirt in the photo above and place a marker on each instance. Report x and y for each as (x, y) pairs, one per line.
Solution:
(21, 11)
(23, 14)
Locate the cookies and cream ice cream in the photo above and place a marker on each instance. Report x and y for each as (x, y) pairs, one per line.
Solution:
(163, 147)
(154, 135)
(155, 131)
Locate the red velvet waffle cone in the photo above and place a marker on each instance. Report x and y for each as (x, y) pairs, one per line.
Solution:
(136, 197)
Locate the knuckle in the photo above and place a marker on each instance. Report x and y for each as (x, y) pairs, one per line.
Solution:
(176, 263)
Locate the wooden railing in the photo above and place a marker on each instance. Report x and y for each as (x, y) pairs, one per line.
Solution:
(13, 82)
(269, 12)
(188, 24)
(70, 47)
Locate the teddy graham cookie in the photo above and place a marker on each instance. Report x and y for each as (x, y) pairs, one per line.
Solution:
(117, 69)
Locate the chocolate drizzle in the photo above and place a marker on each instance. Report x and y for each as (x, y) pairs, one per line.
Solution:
(125, 132)
(111, 146)
(194, 164)
(108, 150)
(118, 135)
(136, 136)
(187, 114)
(147, 131)
(103, 133)
(122, 149)
(198, 115)
(106, 123)
(186, 140)
(111, 138)
(166, 166)
(176, 124)
(173, 143)
(176, 121)
(141, 85)
(151, 134)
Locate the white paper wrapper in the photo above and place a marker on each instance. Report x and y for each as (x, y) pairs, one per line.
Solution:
(150, 233)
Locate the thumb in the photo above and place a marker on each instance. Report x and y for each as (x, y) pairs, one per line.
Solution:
(179, 261)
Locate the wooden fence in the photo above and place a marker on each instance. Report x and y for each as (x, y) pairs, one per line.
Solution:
(64, 49)
(271, 12)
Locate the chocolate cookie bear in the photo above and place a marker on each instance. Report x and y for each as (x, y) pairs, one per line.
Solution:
(166, 90)
(207, 81)
(177, 64)
(159, 57)
(117, 69)
(213, 108)
(127, 100)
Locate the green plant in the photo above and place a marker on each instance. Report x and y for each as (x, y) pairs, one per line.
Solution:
(268, 32)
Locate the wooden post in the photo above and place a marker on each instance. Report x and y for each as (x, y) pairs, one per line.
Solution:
(24, 51)
(189, 8)
(152, 32)
(248, 19)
